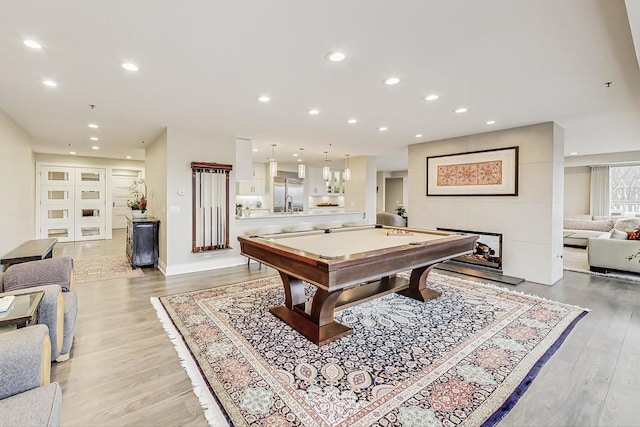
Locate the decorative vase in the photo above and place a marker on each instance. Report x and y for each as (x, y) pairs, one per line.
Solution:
(138, 214)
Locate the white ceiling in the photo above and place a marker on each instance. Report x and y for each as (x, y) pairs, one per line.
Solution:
(204, 63)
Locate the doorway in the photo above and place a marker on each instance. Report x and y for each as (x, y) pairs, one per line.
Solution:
(393, 195)
(121, 182)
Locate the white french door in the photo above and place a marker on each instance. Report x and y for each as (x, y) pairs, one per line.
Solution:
(90, 203)
(72, 203)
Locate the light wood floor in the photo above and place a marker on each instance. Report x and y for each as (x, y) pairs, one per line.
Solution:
(124, 370)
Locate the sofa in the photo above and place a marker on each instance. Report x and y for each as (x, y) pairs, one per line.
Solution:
(59, 306)
(578, 229)
(616, 250)
(27, 398)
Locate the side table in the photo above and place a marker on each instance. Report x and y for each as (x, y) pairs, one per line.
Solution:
(24, 311)
(31, 250)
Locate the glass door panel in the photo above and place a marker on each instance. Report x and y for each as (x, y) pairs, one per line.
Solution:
(58, 176)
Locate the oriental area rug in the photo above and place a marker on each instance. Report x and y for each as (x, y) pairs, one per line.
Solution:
(461, 359)
(95, 269)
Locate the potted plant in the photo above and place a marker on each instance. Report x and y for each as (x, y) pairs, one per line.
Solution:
(138, 203)
(238, 209)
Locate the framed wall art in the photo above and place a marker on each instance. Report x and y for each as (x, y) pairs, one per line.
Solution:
(476, 173)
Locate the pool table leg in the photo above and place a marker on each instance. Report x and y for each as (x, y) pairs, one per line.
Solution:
(418, 285)
(293, 290)
(318, 324)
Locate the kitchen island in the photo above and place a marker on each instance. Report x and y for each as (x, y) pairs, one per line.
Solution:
(290, 222)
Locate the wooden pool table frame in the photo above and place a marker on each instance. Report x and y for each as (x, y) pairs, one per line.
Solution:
(348, 280)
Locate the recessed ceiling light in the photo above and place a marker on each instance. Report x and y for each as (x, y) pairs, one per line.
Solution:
(295, 154)
(418, 135)
(94, 138)
(72, 152)
(264, 98)
(128, 157)
(49, 83)
(431, 97)
(314, 111)
(95, 147)
(255, 150)
(352, 121)
(461, 110)
(93, 126)
(491, 122)
(392, 81)
(130, 67)
(573, 153)
(382, 128)
(335, 56)
(33, 44)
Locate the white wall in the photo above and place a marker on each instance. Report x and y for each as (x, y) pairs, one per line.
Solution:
(17, 177)
(156, 179)
(184, 147)
(531, 223)
(93, 161)
(577, 173)
(602, 159)
(577, 190)
(360, 192)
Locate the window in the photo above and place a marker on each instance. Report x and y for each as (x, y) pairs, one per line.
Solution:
(624, 183)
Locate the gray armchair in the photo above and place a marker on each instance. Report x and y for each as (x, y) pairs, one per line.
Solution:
(59, 306)
(26, 395)
(386, 218)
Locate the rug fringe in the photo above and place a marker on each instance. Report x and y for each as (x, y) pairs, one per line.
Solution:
(625, 277)
(212, 412)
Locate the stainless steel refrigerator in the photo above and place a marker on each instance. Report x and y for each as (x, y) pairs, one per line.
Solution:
(288, 194)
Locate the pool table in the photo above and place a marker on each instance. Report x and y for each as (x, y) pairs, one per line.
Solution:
(348, 266)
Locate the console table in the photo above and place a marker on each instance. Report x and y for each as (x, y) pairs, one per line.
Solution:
(31, 250)
(142, 241)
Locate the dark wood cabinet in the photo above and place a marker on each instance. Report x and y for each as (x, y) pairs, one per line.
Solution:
(142, 241)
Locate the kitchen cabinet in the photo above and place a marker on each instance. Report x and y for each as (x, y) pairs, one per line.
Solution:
(142, 241)
(255, 186)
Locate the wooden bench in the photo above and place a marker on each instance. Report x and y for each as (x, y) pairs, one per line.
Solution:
(31, 250)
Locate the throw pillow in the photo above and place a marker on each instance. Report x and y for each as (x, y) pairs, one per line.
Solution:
(619, 235)
(627, 224)
(634, 234)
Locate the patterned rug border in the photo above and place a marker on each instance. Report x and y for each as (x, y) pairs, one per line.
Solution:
(508, 405)
(212, 407)
(215, 412)
(132, 273)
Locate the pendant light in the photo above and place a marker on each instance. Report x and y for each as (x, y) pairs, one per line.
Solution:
(347, 171)
(273, 165)
(326, 170)
(301, 167)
